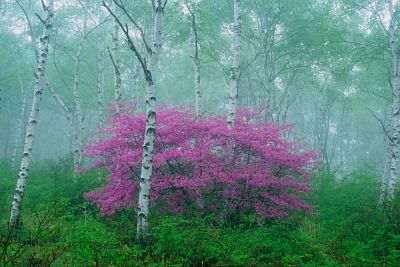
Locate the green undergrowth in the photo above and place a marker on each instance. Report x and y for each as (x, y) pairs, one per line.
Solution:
(60, 228)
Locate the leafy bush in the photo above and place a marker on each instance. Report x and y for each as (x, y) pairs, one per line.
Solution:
(188, 242)
(202, 166)
(90, 243)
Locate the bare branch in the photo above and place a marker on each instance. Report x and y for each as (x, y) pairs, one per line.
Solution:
(130, 42)
(43, 5)
(138, 27)
(165, 3)
(40, 18)
(112, 58)
(194, 29)
(382, 96)
(382, 124)
(28, 20)
(216, 60)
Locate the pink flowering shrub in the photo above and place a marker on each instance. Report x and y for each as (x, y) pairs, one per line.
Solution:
(202, 166)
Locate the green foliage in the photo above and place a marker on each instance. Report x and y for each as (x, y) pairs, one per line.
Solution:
(187, 242)
(348, 228)
(355, 227)
(90, 243)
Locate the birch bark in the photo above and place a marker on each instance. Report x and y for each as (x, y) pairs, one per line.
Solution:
(78, 139)
(194, 54)
(148, 67)
(32, 121)
(117, 73)
(385, 175)
(149, 138)
(234, 71)
(100, 73)
(100, 80)
(395, 129)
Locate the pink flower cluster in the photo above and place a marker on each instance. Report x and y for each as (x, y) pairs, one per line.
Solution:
(200, 165)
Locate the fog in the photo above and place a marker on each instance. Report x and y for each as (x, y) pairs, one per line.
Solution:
(327, 69)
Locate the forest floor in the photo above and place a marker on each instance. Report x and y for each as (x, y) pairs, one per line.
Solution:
(348, 227)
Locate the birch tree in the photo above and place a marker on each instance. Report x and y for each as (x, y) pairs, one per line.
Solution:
(77, 100)
(194, 54)
(100, 71)
(234, 71)
(148, 64)
(33, 116)
(395, 112)
(80, 125)
(114, 55)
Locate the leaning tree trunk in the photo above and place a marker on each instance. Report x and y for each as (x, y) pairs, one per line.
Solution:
(32, 121)
(117, 73)
(234, 71)
(149, 138)
(395, 112)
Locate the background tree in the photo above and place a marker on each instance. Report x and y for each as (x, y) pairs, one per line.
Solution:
(42, 51)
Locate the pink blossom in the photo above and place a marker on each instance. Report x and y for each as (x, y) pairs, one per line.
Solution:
(201, 165)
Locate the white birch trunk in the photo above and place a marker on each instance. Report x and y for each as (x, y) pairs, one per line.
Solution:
(100, 81)
(117, 72)
(194, 54)
(32, 121)
(385, 175)
(234, 71)
(149, 138)
(77, 101)
(78, 139)
(271, 99)
(197, 91)
(395, 112)
(100, 74)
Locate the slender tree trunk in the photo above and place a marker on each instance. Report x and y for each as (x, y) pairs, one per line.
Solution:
(271, 97)
(197, 91)
(395, 112)
(385, 175)
(77, 100)
(100, 74)
(234, 71)
(100, 81)
(194, 54)
(117, 73)
(149, 67)
(32, 121)
(323, 119)
(79, 116)
(149, 138)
